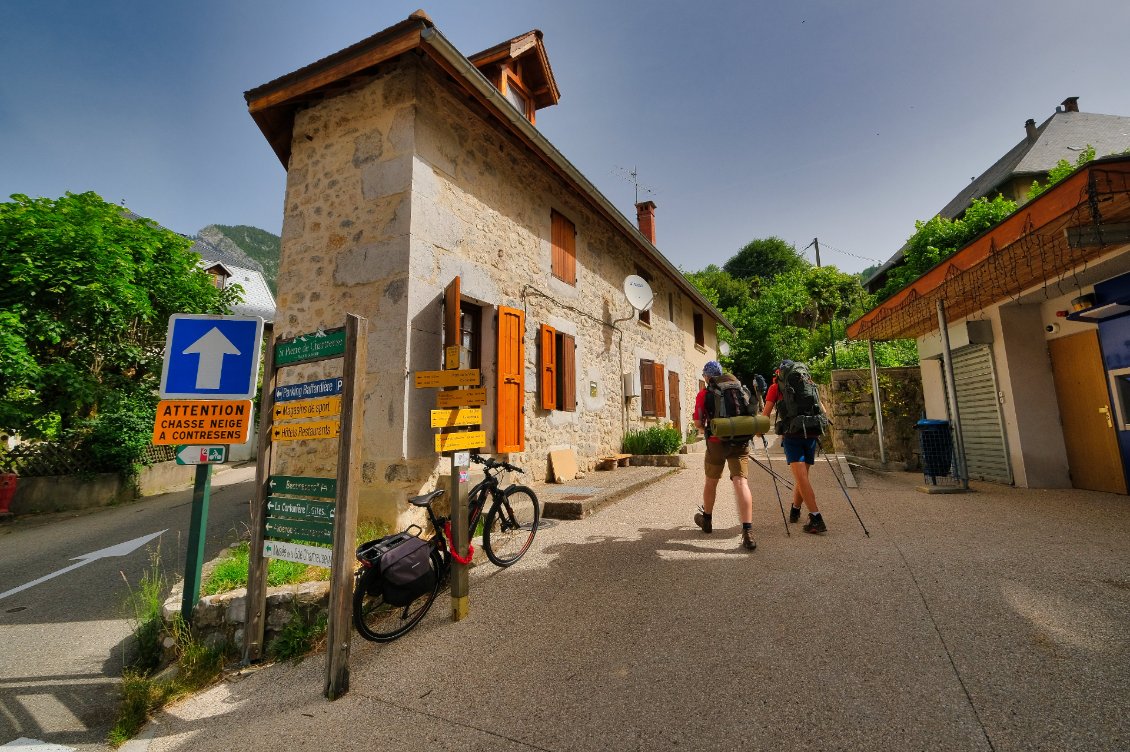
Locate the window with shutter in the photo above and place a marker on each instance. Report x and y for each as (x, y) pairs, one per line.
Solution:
(699, 330)
(563, 238)
(548, 376)
(647, 387)
(567, 374)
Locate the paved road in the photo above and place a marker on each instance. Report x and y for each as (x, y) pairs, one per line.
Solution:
(984, 622)
(61, 641)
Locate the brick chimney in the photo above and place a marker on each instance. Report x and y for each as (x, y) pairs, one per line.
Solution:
(1030, 128)
(1071, 104)
(645, 218)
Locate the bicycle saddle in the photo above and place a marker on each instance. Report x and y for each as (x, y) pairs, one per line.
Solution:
(426, 499)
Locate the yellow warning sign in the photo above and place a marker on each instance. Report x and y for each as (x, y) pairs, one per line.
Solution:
(202, 422)
(446, 442)
(317, 429)
(467, 377)
(467, 416)
(315, 408)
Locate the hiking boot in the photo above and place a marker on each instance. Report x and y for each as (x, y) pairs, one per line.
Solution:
(747, 539)
(815, 525)
(794, 514)
(703, 521)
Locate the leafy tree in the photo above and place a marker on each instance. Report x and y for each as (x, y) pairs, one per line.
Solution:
(724, 291)
(853, 354)
(939, 238)
(765, 258)
(1062, 169)
(86, 290)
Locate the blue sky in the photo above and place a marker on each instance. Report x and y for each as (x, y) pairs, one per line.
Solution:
(811, 118)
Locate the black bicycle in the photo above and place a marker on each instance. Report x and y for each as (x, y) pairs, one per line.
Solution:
(508, 529)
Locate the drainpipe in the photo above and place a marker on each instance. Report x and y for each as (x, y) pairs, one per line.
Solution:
(878, 402)
(951, 402)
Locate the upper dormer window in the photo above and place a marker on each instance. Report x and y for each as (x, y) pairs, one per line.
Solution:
(517, 95)
(520, 70)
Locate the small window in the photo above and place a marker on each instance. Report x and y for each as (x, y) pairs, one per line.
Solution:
(563, 239)
(557, 379)
(517, 95)
(653, 398)
(470, 338)
(671, 306)
(699, 330)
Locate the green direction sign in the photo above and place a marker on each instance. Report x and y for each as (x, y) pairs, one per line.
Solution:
(292, 485)
(294, 530)
(307, 347)
(200, 455)
(299, 509)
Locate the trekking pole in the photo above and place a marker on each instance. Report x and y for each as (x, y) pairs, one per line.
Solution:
(781, 504)
(842, 487)
(776, 476)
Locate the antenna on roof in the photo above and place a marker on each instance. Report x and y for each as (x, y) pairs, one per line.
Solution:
(632, 177)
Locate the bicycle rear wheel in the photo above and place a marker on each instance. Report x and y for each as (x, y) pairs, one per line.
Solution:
(379, 621)
(511, 525)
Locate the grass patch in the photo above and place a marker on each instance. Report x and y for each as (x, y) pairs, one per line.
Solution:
(230, 573)
(297, 638)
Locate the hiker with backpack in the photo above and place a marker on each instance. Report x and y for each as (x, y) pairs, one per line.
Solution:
(719, 408)
(800, 423)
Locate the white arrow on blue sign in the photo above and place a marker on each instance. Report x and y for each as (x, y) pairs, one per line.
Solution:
(213, 357)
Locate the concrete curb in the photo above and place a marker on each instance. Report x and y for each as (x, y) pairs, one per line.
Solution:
(576, 509)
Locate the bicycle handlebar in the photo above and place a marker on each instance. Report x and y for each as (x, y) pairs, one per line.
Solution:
(491, 463)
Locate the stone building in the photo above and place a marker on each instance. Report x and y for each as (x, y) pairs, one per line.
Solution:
(411, 166)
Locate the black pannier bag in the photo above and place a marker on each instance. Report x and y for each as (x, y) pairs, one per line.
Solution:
(406, 572)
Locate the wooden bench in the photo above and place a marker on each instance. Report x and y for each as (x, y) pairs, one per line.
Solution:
(612, 461)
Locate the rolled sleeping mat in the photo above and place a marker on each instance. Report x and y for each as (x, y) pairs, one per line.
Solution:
(739, 425)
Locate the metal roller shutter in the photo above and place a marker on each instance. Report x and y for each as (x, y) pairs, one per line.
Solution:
(982, 430)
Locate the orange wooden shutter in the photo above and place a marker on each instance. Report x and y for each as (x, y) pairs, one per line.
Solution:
(564, 239)
(660, 392)
(548, 372)
(568, 400)
(647, 387)
(511, 429)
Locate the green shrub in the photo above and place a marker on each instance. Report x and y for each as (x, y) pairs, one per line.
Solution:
(653, 440)
(116, 438)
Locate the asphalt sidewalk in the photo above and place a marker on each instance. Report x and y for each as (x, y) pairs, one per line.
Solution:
(994, 620)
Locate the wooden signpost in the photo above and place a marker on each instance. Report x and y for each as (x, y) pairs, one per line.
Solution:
(290, 515)
(456, 408)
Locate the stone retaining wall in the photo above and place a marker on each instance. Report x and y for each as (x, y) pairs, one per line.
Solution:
(853, 416)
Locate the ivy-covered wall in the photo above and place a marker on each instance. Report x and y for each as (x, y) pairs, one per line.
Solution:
(853, 415)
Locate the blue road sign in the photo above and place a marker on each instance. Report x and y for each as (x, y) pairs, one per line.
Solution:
(211, 357)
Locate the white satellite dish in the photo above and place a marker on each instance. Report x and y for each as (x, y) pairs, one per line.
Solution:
(638, 291)
(724, 348)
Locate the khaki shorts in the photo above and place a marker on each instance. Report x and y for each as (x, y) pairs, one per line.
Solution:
(719, 454)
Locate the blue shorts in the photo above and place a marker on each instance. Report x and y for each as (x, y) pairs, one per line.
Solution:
(799, 449)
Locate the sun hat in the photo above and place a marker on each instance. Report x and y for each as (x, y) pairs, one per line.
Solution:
(712, 369)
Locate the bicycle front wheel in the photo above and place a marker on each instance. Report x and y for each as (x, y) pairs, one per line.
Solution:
(380, 621)
(511, 525)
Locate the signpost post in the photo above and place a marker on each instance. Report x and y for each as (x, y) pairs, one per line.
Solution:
(290, 512)
(207, 382)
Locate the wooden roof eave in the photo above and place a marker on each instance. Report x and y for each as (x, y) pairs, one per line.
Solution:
(444, 54)
(1038, 214)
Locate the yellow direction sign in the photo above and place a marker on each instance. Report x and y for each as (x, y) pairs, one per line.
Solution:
(446, 442)
(317, 429)
(315, 408)
(462, 397)
(202, 422)
(426, 379)
(451, 357)
(467, 416)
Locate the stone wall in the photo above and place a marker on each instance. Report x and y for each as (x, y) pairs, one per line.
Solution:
(394, 188)
(853, 415)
